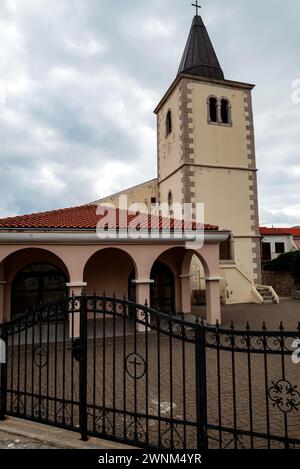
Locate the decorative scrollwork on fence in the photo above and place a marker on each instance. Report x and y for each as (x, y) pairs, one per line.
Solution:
(73, 304)
(18, 405)
(135, 430)
(284, 396)
(102, 421)
(142, 316)
(171, 437)
(64, 414)
(230, 441)
(40, 408)
(172, 327)
(249, 341)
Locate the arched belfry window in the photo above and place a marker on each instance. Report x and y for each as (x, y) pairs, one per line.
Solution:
(213, 109)
(169, 123)
(225, 111)
(219, 110)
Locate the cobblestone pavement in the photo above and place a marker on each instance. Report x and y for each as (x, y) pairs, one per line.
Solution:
(287, 311)
(8, 441)
(155, 376)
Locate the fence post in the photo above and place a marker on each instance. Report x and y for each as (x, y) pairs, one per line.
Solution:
(83, 368)
(3, 372)
(201, 387)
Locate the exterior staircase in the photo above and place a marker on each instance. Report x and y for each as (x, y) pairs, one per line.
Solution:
(268, 294)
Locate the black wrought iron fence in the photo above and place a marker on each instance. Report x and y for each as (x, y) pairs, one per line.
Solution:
(122, 371)
(253, 388)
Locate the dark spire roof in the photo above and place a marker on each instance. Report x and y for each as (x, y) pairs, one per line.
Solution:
(199, 57)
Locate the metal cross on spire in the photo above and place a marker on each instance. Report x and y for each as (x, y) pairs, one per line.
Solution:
(196, 6)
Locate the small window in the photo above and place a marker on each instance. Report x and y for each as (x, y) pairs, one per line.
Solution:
(170, 202)
(225, 250)
(213, 113)
(279, 248)
(169, 123)
(266, 251)
(153, 200)
(225, 111)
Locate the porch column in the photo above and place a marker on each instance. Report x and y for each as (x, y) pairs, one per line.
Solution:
(186, 303)
(75, 288)
(219, 116)
(2, 286)
(143, 295)
(213, 303)
(143, 291)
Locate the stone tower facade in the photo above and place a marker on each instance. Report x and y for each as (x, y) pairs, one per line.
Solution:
(206, 154)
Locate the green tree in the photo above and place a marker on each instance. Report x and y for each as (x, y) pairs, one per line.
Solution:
(289, 262)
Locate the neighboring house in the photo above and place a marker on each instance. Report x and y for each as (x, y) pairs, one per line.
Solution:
(296, 237)
(276, 241)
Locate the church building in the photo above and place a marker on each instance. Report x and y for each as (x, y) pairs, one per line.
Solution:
(206, 154)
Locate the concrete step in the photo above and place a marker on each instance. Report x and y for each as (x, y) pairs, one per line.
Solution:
(267, 296)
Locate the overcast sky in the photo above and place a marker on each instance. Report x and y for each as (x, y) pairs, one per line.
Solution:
(79, 80)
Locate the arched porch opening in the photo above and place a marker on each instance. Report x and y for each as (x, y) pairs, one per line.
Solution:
(37, 284)
(162, 290)
(109, 271)
(174, 277)
(165, 294)
(198, 284)
(209, 258)
(179, 260)
(31, 277)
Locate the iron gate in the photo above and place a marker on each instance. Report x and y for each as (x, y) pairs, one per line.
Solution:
(113, 369)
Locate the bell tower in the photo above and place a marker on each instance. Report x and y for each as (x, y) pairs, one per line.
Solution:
(206, 154)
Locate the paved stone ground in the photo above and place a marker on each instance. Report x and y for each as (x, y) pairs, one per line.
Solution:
(8, 441)
(246, 391)
(287, 311)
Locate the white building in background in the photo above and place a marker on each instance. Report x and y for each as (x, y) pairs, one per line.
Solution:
(276, 241)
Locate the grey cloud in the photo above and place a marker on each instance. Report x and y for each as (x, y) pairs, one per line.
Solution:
(83, 77)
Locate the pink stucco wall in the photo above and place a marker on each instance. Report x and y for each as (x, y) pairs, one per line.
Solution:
(107, 267)
(108, 270)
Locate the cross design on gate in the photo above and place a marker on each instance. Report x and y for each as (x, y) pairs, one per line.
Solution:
(40, 357)
(135, 366)
(196, 6)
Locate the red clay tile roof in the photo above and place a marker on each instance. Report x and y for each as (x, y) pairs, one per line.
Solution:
(85, 217)
(280, 231)
(295, 232)
(274, 231)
